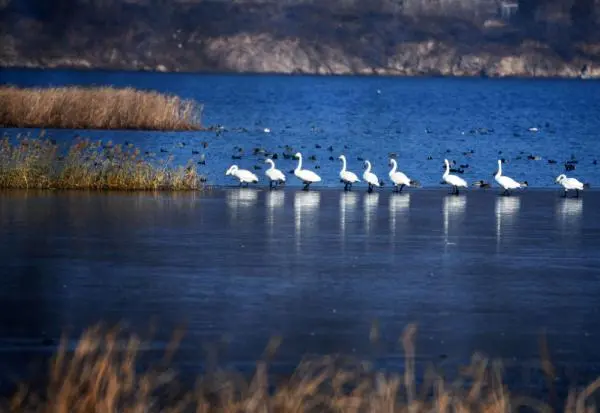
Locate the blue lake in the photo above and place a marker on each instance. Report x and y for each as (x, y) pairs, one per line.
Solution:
(372, 117)
(476, 272)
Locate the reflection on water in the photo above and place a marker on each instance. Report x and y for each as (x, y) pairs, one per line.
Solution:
(240, 199)
(568, 213)
(274, 200)
(348, 202)
(453, 209)
(306, 207)
(399, 205)
(506, 208)
(370, 207)
(131, 258)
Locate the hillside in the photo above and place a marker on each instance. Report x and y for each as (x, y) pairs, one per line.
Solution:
(399, 37)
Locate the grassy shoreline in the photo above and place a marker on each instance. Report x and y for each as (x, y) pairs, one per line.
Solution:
(96, 108)
(38, 163)
(104, 373)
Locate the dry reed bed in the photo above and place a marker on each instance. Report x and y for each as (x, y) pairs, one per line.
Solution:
(37, 163)
(96, 108)
(103, 375)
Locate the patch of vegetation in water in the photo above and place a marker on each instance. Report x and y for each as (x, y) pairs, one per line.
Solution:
(96, 108)
(39, 163)
(104, 373)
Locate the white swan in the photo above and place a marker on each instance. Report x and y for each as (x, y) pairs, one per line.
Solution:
(569, 184)
(399, 179)
(506, 182)
(370, 177)
(307, 177)
(275, 175)
(455, 181)
(245, 176)
(347, 177)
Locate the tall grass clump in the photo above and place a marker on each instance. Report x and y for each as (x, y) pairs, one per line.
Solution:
(37, 163)
(104, 373)
(96, 108)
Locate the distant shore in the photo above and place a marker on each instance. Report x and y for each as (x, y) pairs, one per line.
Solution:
(442, 64)
(300, 38)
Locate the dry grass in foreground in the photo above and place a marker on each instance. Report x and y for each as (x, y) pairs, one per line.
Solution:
(103, 375)
(36, 163)
(96, 108)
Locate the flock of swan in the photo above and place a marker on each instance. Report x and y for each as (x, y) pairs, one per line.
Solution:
(399, 179)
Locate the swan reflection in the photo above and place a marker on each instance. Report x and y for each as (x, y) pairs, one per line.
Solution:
(506, 208)
(348, 202)
(568, 214)
(453, 208)
(273, 201)
(306, 205)
(240, 199)
(399, 205)
(370, 203)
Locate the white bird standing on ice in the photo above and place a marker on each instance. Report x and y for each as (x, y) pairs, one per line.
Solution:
(399, 179)
(245, 176)
(570, 183)
(506, 182)
(347, 177)
(275, 175)
(307, 177)
(370, 177)
(453, 180)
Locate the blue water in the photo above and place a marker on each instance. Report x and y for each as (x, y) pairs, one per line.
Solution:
(476, 272)
(413, 118)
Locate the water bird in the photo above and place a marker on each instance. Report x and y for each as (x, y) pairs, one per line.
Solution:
(570, 184)
(346, 177)
(244, 175)
(453, 180)
(507, 182)
(370, 177)
(399, 179)
(569, 167)
(306, 176)
(267, 130)
(275, 176)
(482, 184)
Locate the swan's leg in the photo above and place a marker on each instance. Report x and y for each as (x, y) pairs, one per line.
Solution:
(401, 188)
(370, 188)
(270, 184)
(577, 193)
(564, 194)
(456, 190)
(305, 188)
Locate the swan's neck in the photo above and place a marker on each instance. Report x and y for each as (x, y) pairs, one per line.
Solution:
(299, 163)
(343, 165)
(447, 169)
(272, 166)
(499, 173)
(394, 167)
(368, 167)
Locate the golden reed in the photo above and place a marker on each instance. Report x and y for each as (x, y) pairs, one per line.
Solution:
(96, 108)
(38, 163)
(103, 374)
